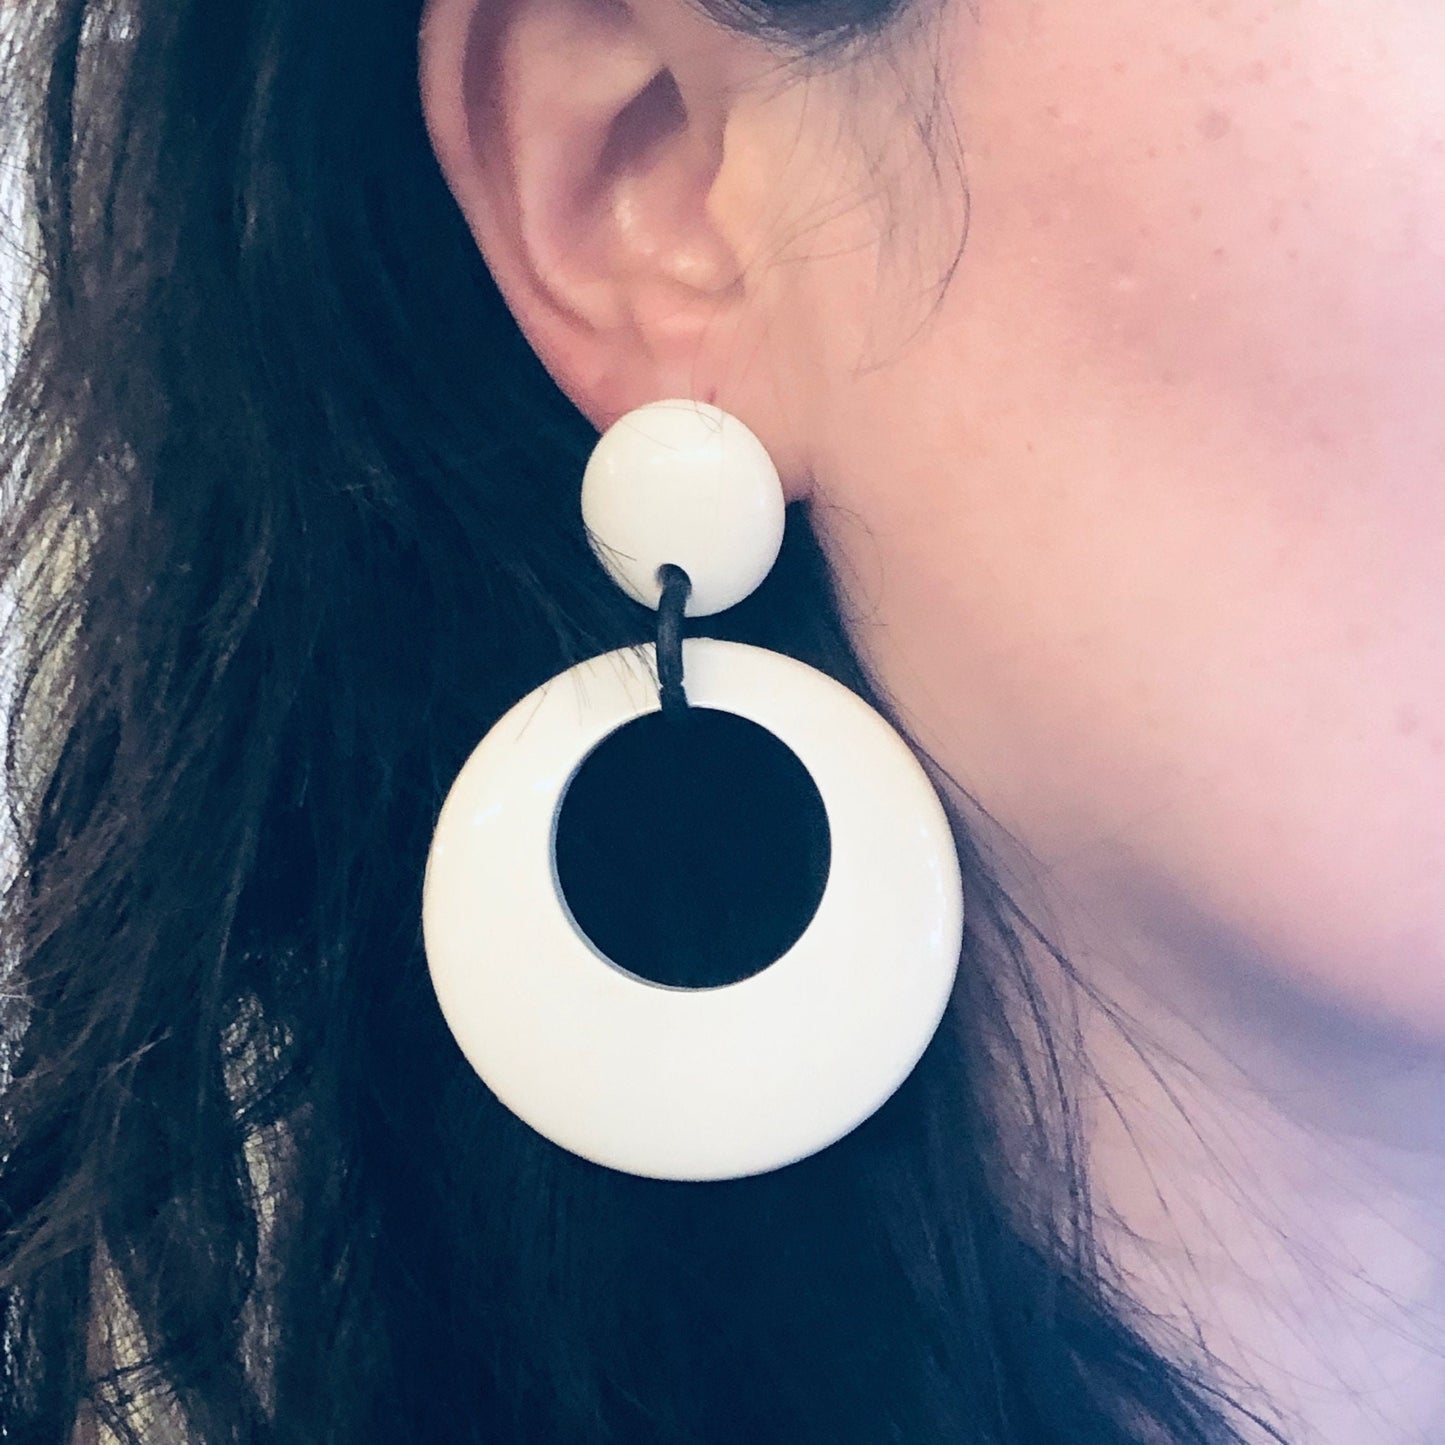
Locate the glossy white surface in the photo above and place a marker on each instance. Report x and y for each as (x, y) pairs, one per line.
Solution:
(676, 1083)
(682, 482)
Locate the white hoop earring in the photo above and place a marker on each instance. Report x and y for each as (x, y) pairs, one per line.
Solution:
(654, 1080)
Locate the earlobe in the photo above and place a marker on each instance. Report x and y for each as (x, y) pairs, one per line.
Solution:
(582, 140)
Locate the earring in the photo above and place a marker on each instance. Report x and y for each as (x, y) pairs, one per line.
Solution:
(685, 510)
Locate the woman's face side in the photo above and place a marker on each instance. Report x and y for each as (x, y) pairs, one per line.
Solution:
(1143, 513)
(1147, 523)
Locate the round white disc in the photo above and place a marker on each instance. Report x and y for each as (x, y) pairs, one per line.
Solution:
(693, 1083)
(686, 483)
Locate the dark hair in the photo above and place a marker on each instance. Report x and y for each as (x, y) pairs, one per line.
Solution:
(292, 520)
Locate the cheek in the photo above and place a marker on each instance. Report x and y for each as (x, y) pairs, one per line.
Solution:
(1160, 573)
(1253, 209)
(1256, 261)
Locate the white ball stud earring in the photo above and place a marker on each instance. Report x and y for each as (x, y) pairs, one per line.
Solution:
(686, 512)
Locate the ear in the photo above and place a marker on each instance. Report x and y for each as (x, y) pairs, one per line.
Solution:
(588, 145)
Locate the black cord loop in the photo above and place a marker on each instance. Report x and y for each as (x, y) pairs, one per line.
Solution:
(676, 585)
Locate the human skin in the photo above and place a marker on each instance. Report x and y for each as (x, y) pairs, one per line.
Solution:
(1160, 570)
(1141, 515)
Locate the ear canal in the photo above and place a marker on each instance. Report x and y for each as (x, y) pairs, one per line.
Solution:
(653, 114)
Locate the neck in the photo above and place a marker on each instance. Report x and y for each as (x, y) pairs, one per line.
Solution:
(1268, 1175)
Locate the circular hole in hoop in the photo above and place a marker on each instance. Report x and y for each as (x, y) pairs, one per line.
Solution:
(693, 851)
